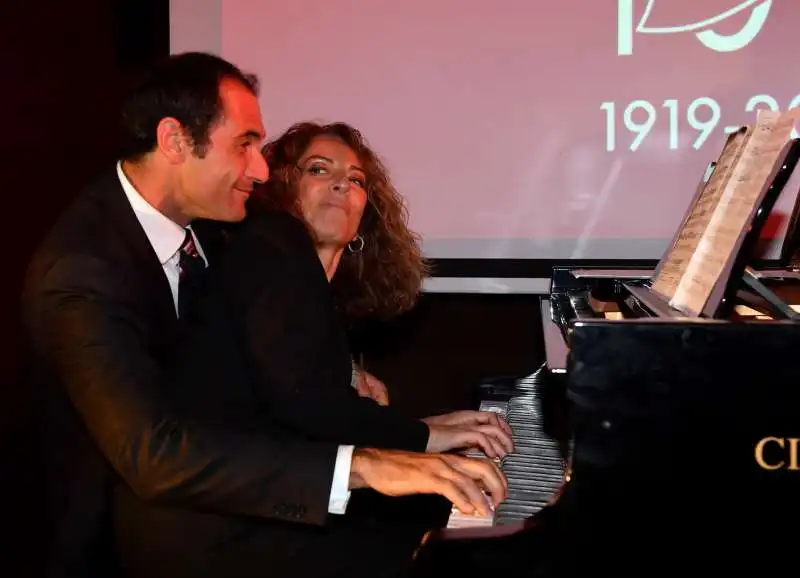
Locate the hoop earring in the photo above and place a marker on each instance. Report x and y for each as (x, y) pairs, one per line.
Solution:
(356, 245)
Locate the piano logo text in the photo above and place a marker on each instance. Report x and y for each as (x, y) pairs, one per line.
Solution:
(784, 453)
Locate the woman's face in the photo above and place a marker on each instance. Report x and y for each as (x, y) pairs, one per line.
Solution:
(332, 190)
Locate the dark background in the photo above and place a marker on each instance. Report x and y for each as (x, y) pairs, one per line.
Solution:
(64, 66)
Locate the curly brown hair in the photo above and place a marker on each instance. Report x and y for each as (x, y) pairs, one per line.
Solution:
(385, 278)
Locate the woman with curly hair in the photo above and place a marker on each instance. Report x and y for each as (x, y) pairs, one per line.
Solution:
(327, 176)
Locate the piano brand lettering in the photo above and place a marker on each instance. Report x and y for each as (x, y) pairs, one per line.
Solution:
(703, 116)
(787, 456)
(627, 28)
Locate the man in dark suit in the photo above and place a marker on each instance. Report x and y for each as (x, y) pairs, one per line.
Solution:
(101, 307)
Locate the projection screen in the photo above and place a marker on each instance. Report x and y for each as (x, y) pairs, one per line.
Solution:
(519, 129)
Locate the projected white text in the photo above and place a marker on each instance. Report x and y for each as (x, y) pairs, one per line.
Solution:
(699, 119)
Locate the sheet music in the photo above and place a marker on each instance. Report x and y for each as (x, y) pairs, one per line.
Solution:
(741, 194)
(677, 259)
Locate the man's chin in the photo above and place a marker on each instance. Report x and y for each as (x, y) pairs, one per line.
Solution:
(232, 216)
(237, 212)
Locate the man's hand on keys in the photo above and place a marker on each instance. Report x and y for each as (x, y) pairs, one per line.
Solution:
(472, 485)
(464, 429)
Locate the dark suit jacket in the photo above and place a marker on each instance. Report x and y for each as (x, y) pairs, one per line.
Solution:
(101, 326)
(268, 329)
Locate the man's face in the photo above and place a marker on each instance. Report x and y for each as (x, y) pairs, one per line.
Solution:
(218, 185)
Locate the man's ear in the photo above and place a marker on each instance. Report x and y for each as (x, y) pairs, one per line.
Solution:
(171, 140)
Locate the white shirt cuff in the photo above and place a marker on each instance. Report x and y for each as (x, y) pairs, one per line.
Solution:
(340, 493)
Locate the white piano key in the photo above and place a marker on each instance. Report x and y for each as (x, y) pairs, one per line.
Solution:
(535, 471)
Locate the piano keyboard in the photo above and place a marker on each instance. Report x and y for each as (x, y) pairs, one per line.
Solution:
(535, 471)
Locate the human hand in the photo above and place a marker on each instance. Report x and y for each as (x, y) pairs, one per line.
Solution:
(462, 429)
(370, 386)
(471, 484)
(468, 417)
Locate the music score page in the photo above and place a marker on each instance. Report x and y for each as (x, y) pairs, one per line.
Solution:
(723, 213)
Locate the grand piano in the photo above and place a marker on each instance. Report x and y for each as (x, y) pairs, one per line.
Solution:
(652, 441)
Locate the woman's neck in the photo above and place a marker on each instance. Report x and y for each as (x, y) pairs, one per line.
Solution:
(329, 256)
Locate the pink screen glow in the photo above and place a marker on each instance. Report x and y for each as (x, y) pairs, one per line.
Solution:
(516, 128)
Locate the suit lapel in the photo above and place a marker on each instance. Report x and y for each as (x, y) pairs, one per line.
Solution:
(212, 236)
(145, 262)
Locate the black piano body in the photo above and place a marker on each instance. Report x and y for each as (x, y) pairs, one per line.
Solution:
(665, 417)
(681, 432)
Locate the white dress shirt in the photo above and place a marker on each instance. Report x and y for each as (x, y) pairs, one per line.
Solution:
(166, 238)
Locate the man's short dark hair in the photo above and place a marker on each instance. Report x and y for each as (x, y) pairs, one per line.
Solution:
(184, 87)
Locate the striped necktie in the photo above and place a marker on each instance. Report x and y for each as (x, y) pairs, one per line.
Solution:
(192, 266)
